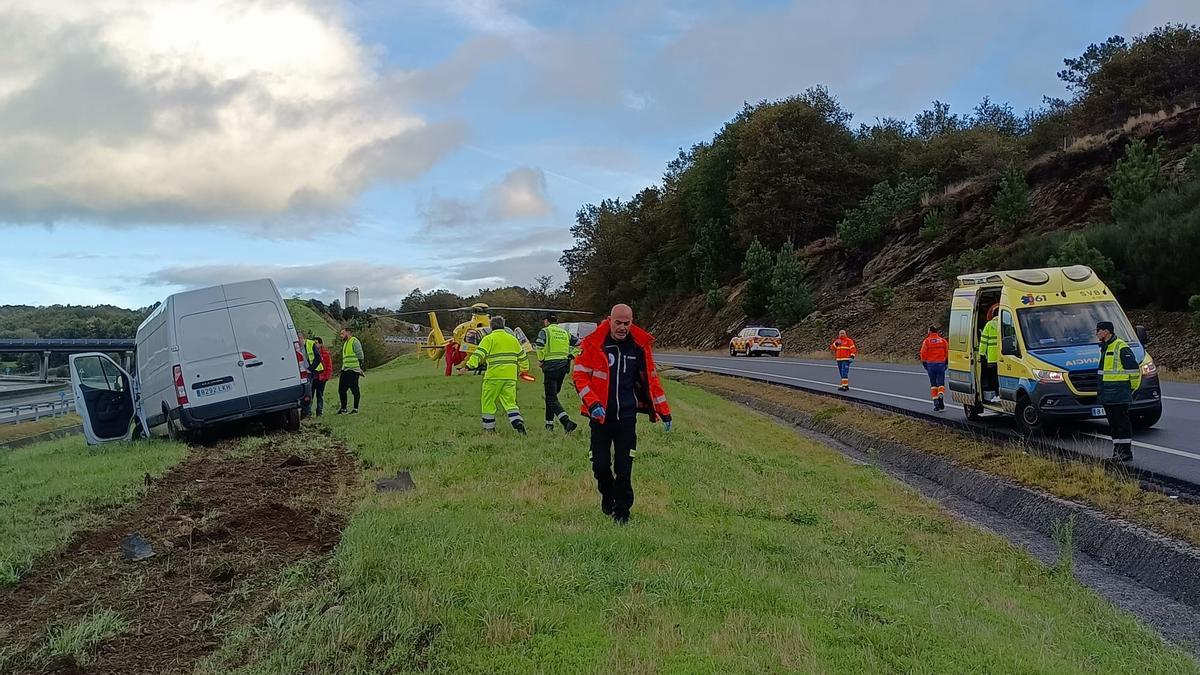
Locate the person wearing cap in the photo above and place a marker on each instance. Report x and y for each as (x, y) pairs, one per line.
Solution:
(989, 355)
(553, 350)
(935, 354)
(1120, 376)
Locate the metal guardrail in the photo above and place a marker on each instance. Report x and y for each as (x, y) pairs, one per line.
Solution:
(404, 339)
(25, 412)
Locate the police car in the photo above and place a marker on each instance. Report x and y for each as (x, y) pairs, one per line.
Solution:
(756, 340)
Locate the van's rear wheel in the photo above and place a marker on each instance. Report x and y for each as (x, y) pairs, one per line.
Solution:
(174, 432)
(292, 420)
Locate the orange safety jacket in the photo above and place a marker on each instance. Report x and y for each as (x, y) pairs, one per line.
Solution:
(843, 349)
(591, 373)
(935, 349)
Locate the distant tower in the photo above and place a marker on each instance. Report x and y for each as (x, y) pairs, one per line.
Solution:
(352, 297)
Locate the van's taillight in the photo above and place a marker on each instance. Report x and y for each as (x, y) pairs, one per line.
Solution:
(247, 356)
(180, 387)
(300, 361)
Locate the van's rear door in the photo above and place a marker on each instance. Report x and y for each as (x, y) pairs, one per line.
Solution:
(104, 397)
(211, 362)
(962, 338)
(270, 356)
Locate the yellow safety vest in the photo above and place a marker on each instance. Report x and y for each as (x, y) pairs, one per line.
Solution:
(989, 341)
(1111, 369)
(349, 358)
(310, 352)
(503, 354)
(558, 344)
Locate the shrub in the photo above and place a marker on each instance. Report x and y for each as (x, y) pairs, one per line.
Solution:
(1192, 163)
(1075, 251)
(973, 260)
(758, 267)
(1194, 305)
(714, 298)
(1011, 208)
(790, 298)
(1138, 176)
(880, 296)
(933, 225)
(865, 224)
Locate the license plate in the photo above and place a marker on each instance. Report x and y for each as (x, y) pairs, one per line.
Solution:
(1098, 412)
(214, 390)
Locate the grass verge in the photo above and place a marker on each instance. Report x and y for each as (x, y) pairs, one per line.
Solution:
(48, 491)
(751, 549)
(1074, 479)
(12, 432)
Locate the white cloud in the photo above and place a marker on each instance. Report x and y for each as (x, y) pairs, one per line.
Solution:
(379, 285)
(519, 195)
(124, 112)
(1154, 13)
(517, 270)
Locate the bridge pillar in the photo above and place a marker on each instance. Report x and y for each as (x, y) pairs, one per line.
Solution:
(127, 361)
(44, 374)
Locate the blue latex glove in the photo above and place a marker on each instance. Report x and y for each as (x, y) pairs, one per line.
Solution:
(597, 413)
(666, 422)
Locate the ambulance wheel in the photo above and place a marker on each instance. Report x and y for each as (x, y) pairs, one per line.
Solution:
(973, 412)
(1030, 422)
(732, 351)
(747, 351)
(1146, 420)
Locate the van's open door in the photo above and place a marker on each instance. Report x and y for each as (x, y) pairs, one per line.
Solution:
(104, 397)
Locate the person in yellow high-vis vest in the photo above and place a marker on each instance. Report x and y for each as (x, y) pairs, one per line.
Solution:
(505, 359)
(1120, 376)
(313, 357)
(553, 350)
(352, 369)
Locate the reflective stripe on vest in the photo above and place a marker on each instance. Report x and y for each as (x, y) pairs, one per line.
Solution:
(349, 358)
(558, 344)
(1111, 369)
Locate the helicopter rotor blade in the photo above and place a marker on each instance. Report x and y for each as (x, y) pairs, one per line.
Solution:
(542, 309)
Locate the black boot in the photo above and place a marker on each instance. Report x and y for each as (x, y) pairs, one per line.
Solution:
(520, 427)
(606, 505)
(569, 425)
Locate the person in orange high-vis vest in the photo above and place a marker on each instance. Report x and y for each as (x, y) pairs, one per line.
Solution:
(844, 351)
(935, 353)
(616, 379)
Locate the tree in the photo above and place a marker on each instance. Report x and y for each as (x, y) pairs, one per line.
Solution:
(1138, 176)
(1075, 251)
(865, 224)
(1080, 70)
(1011, 208)
(881, 296)
(758, 266)
(790, 298)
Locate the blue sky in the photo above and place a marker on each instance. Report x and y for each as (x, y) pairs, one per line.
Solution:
(391, 144)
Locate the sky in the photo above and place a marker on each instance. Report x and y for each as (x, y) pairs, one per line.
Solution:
(150, 147)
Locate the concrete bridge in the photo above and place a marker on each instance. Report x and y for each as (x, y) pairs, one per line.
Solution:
(48, 346)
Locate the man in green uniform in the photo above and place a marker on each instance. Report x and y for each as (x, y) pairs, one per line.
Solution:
(989, 356)
(505, 359)
(352, 370)
(553, 348)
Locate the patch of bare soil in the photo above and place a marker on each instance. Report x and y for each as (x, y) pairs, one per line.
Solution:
(222, 525)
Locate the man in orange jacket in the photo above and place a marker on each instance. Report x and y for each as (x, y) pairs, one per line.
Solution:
(935, 353)
(844, 350)
(616, 379)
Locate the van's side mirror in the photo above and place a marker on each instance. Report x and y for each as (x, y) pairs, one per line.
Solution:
(1008, 346)
(1142, 335)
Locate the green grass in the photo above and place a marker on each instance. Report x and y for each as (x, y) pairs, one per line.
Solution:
(50, 490)
(751, 549)
(313, 324)
(12, 432)
(78, 640)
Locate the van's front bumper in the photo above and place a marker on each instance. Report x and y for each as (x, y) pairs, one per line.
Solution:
(199, 417)
(1058, 402)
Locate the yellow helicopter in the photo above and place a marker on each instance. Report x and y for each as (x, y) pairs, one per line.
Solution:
(466, 335)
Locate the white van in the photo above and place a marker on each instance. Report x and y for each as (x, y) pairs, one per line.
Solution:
(204, 357)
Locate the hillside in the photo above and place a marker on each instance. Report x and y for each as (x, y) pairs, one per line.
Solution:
(311, 322)
(792, 218)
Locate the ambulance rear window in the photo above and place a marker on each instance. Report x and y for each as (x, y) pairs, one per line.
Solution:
(768, 332)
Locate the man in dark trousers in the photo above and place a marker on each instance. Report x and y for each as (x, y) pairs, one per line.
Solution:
(553, 349)
(616, 379)
(1120, 376)
(352, 369)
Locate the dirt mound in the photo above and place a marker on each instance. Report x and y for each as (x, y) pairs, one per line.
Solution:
(221, 524)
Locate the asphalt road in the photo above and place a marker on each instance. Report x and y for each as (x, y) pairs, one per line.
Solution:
(18, 407)
(1170, 448)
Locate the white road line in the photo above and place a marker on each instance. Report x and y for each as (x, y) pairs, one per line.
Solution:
(798, 379)
(922, 374)
(1151, 446)
(1140, 444)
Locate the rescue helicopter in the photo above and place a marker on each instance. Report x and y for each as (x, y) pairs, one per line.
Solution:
(466, 335)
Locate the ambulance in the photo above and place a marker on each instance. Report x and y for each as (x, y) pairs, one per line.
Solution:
(1049, 353)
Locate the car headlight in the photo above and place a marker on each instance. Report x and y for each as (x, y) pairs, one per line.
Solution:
(1048, 376)
(1148, 368)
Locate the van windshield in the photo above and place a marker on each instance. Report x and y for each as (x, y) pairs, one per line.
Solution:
(768, 332)
(1071, 325)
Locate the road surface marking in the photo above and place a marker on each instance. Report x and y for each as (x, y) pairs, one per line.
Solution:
(910, 372)
(1140, 444)
(799, 379)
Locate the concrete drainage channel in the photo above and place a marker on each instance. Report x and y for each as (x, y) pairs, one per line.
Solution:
(1152, 576)
(38, 438)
